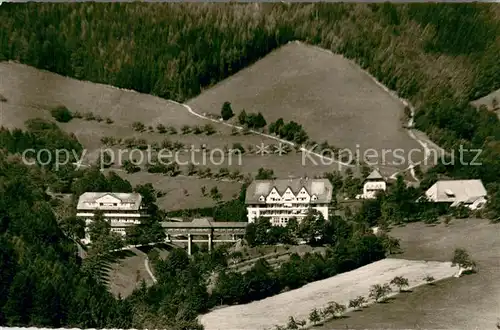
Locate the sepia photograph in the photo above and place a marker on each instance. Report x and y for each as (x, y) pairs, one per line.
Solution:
(249, 165)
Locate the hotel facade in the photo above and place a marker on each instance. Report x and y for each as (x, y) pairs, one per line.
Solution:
(121, 210)
(281, 200)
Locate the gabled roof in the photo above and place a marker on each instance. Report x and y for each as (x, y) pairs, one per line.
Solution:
(375, 175)
(203, 223)
(322, 188)
(464, 191)
(134, 198)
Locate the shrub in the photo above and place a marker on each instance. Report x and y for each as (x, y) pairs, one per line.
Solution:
(235, 131)
(429, 279)
(314, 316)
(205, 173)
(379, 292)
(215, 194)
(264, 174)
(462, 259)
(61, 114)
(129, 142)
(447, 219)
(255, 120)
(157, 168)
(3, 98)
(141, 144)
(223, 172)
(357, 302)
(236, 175)
(242, 118)
(129, 167)
(197, 130)
(239, 147)
(109, 120)
(400, 282)
(209, 129)
(161, 128)
(226, 111)
(138, 126)
(172, 130)
(155, 146)
(89, 116)
(333, 309)
(185, 129)
(178, 145)
(98, 118)
(108, 140)
(77, 114)
(167, 144)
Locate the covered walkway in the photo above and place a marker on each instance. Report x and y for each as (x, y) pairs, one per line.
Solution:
(215, 232)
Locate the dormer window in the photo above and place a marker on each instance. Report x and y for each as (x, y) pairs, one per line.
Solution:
(261, 198)
(314, 197)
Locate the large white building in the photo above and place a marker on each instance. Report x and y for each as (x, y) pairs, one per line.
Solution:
(469, 193)
(121, 210)
(281, 200)
(374, 183)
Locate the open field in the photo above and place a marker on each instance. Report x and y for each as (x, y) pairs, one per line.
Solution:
(341, 288)
(174, 198)
(127, 272)
(30, 93)
(471, 302)
(126, 269)
(329, 95)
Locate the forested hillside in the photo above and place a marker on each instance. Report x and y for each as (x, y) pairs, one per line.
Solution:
(175, 50)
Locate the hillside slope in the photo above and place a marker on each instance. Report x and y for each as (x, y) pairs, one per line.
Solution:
(329, 95)
(439, 56)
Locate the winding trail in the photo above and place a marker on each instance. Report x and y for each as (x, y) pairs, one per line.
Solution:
(331, 160)
(409, 130)
(146, 264)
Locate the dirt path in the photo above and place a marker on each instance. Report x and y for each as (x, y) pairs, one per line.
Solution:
(298, 303)
(191, 111)
(146, 264)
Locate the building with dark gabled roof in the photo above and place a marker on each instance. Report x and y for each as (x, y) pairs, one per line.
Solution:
(283, 199)
(469, 193)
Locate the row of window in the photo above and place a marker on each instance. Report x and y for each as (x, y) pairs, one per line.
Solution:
(277, 199)
(280, 221)
(111, 204)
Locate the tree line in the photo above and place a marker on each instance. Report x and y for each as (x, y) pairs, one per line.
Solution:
(179, 49)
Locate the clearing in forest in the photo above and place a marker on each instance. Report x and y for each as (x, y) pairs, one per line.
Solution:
(332, 97)
(470, 302)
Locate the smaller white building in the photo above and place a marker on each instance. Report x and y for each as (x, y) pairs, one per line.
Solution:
(469, 193)
(374, 183)
(121, 210)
